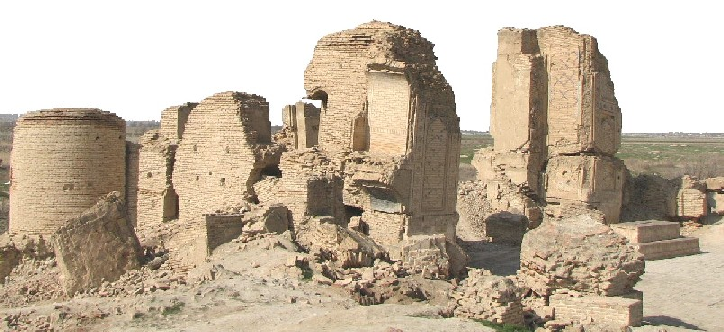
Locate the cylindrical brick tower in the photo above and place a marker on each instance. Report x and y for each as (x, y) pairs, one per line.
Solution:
(63, 160)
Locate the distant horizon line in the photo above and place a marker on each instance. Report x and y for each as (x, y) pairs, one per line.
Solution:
(17, 115)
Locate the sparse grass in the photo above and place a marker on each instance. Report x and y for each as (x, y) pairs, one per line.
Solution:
(673, 156)
(502, 327)
(172, 309)
(668, 155)
(471, 142)
(136, 129)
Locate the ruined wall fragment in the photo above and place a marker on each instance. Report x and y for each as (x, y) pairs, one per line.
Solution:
(519, 108)
(132, 164)
(310, 186)
(98, 245)
(383, 97)
(691, 198)
(226, 147)
(592, 180)
(301, 120)
(58, 158)
(555, 121)
(583, 113)
(157, 199)
(173, 120)
(715, 195)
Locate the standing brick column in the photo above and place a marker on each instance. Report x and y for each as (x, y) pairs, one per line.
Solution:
(63, 161)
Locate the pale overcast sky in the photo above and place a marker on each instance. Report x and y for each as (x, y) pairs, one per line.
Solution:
(136, 58)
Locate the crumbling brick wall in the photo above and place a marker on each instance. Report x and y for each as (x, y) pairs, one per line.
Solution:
(654, 197)
(384, 97)
(96, 246)
(132, 161)
(173, 120)
(555, 121)
(223, 152)
(302, 122)
(311, 186)
(63, 160)
(157, 199)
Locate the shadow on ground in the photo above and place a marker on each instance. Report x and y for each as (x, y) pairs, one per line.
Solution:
(500, 259)
(670, 321)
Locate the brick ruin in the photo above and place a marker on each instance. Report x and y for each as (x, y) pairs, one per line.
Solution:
(555, 122)
(388, 118)
(63, 160)
(372, 175)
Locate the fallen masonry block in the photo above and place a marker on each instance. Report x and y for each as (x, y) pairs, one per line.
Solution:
(98, 245)
(657, 239)
(488, 297)
(563, 253)
(433, 256)
(346, 247)
(614, 313)
(669, 248)
(648, 230)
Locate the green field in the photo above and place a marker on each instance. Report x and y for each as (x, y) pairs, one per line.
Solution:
(668, 155)
(674, 155)
(471, 142)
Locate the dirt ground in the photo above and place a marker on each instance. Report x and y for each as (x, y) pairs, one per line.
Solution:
(687, 293)
(680, 294)
(254, 289)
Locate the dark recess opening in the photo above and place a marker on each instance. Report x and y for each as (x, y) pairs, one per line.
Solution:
(272, 170)
(320, 95)
(352, 211)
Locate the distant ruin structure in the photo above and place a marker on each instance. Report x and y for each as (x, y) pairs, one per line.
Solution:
(301, 121)
(63, 161)
(555, 121)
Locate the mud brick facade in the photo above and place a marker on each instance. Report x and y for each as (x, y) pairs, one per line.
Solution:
(63, 161)
(555, 121)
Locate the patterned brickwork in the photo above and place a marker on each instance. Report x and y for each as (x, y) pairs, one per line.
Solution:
(384, 97)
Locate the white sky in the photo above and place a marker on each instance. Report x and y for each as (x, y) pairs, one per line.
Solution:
(136, 58)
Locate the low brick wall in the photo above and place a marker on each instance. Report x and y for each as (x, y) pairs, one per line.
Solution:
(611, 312)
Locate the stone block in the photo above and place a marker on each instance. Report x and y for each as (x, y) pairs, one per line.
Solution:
(715, 184)
(593, 180)
(647, 231)
(562, 253)
(715, 201)
(98, 245)
(669, 248)
(614, 313)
